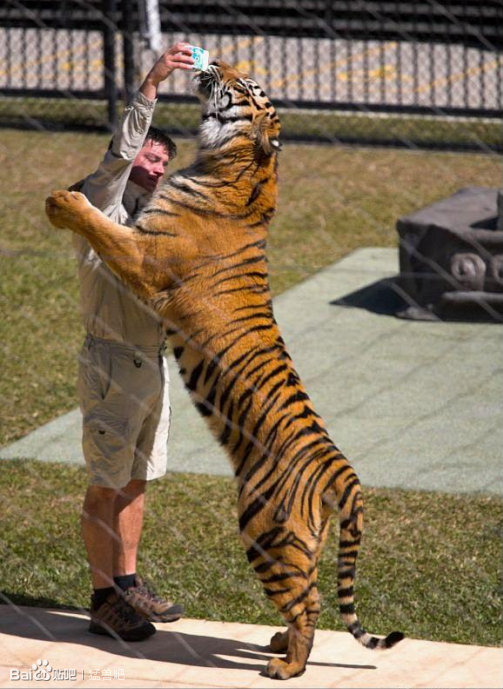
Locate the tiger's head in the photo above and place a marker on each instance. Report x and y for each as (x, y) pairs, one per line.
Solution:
(235, 106)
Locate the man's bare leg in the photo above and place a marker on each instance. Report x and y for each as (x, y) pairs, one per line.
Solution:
(107, 609)
(129, 510)
(128, 521)
(99, 534)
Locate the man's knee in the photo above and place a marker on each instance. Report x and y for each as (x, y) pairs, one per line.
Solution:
(134, 488)
(98, 497)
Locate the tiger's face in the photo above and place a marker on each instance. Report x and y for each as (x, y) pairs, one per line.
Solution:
(234, 104)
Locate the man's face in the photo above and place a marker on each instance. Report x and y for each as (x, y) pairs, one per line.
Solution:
(150, 165)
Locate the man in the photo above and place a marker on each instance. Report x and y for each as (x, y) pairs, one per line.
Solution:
(123, 379)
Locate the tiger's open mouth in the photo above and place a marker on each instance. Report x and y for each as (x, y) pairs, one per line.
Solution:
(205, 81)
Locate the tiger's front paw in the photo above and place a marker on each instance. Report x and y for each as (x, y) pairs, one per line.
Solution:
(67, 209)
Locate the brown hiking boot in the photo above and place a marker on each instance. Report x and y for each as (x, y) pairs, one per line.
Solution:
(117, 619)
(152, 607)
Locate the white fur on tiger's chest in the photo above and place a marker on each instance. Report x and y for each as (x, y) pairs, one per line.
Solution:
(214, 131)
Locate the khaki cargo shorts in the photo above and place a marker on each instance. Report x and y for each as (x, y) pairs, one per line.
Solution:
(124, 398)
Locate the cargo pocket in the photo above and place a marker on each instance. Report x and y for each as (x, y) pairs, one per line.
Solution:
(108, 451)
(95, 372)
(108, 417)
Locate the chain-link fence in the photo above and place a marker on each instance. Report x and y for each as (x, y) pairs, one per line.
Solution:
(423, 73)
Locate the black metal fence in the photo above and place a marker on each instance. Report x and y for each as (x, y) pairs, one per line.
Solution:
(420, 73)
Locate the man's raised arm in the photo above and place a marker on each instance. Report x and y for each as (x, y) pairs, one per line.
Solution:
(105, 187)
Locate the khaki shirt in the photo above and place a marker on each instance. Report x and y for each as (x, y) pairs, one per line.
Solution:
(110, 311)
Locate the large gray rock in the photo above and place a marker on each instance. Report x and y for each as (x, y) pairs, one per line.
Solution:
(451, 257)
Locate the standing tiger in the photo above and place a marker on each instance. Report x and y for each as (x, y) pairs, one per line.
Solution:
(197, 256)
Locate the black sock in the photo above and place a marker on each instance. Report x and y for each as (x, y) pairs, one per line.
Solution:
(100, 596)
(125, 581)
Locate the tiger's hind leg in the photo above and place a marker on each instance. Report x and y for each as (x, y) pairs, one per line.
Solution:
(280, 642)
(301, 614)
(285, 559)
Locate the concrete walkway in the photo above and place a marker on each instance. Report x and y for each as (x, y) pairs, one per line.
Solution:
(195, 653)
(414, 405)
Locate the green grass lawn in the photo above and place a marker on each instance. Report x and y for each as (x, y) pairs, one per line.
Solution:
(431, 562)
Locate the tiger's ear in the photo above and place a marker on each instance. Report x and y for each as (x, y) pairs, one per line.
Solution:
(266, 141)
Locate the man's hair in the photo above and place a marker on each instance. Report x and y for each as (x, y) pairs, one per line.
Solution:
(159, 137)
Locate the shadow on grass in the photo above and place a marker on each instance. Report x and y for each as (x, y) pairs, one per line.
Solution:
(180, 648)
(8, 598)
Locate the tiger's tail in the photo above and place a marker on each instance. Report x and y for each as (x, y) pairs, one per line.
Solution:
(350, 504)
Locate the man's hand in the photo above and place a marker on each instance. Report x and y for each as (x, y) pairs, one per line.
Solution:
(178, 56)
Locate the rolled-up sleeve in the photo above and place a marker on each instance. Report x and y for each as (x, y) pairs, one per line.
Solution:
(105, 187)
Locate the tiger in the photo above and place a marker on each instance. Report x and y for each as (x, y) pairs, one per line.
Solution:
(197, 256)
